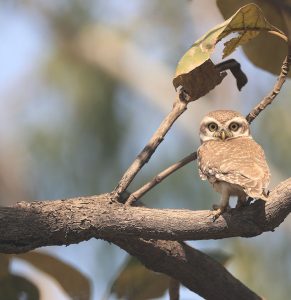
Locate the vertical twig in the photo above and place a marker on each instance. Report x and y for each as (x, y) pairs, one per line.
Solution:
(180, 105)
(174, 289)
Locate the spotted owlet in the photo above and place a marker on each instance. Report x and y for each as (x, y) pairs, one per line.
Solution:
(230, 159)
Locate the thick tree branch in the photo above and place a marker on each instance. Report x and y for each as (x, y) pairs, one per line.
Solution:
(194, 269)
(27, 226)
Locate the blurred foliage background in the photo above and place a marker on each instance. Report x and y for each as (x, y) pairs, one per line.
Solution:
(83, 85)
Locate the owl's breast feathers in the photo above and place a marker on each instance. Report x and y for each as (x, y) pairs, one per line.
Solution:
(239, 161)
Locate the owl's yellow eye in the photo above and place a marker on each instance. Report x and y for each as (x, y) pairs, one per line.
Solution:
(234, 126)
(212, 126)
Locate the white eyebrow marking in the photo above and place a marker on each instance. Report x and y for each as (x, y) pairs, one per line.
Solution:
(237, 119)
(208, 120)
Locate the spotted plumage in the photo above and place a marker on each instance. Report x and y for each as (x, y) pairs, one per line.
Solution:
(230, 159)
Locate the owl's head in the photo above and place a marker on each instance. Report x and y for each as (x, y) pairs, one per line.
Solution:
(223, 125)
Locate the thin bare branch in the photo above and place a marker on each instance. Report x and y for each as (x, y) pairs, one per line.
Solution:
(160, 177)
(178, 108)
(276, 90)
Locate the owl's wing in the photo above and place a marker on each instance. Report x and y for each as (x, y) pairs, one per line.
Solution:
(252, 183)
(238, 161)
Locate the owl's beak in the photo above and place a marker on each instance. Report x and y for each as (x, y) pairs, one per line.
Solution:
(223, 134)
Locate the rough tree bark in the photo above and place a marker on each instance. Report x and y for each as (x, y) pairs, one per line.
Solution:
(27, 226)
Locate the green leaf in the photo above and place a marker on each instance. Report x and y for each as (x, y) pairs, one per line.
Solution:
(261, 51)
(75, 284)
(135, 282)
(247, 23)
(13, 287)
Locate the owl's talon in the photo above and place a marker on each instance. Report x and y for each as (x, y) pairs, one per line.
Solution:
(218, 210)
(216, 214)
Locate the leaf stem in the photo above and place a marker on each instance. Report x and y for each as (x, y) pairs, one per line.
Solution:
(279, 34)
